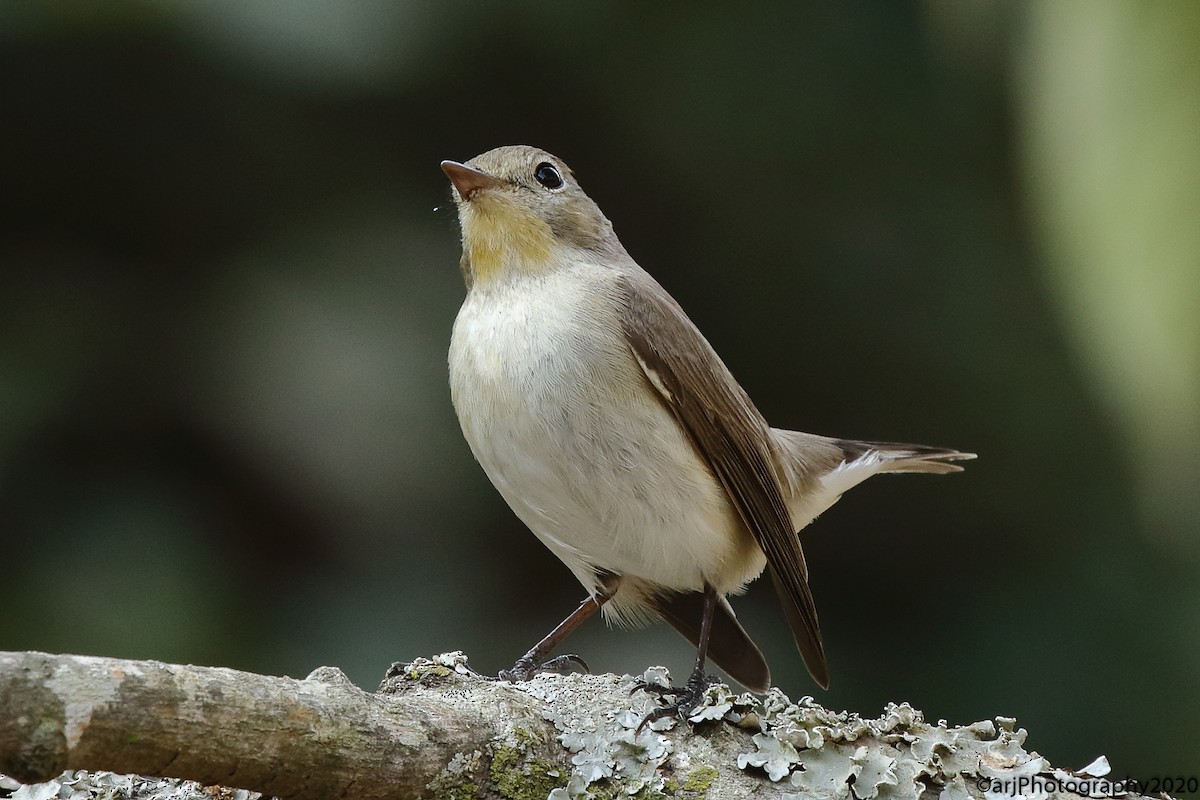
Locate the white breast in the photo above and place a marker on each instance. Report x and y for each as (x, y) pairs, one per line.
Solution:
(559, 415)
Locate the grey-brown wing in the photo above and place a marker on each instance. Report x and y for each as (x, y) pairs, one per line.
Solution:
(732, 438)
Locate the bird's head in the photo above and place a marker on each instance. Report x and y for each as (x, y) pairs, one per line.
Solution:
(522, 212)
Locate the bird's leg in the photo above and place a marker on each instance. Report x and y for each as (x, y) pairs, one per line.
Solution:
(688, 696)
(535, 660)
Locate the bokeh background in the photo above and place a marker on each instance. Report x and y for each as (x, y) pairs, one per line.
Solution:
(225, 300)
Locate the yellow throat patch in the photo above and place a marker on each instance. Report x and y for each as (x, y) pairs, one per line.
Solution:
(500, 236)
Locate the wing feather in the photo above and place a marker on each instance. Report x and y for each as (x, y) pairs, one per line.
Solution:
(731, 437)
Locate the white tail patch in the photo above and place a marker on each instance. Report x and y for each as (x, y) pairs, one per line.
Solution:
(849, 474)
(807, 506)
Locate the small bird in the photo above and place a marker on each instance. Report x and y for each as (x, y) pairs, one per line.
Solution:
(618, 436)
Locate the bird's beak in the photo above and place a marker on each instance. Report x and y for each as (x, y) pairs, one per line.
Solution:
(467, 180)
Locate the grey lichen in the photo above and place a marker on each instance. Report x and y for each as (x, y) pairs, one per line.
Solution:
(808, 750)
(898, 756)
(774, 756)
(608, 752)
(716, 704)
(100, 785)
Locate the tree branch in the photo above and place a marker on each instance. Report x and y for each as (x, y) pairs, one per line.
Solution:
(436, 730)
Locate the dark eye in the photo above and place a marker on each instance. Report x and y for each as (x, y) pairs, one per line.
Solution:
(547, 175)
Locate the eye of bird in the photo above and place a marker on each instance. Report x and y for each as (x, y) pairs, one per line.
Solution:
(547, 175)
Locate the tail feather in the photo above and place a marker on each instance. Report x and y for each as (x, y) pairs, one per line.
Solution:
(819, 469)
(730, 647)
(896, 457)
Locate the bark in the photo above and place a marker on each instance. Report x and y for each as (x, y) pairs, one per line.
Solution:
(434, 729)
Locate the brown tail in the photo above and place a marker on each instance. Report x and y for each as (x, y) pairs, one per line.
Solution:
(896, 457)
(730, 647)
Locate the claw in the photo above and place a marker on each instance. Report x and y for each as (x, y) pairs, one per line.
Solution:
(525, 668)
(687, 697)
(654, 688)
(566, 664)
(654, 716)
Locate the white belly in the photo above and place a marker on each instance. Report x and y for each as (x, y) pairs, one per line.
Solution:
(558, 413)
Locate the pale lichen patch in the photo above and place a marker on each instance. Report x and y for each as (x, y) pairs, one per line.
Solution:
(608, 752)
(835, 755)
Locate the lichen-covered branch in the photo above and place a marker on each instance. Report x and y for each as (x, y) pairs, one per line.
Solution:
(436, 730)
(320, 737)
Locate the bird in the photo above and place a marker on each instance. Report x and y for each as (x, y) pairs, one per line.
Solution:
(618, 436)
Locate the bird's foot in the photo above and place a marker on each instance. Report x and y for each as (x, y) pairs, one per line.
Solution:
(687, 697)
(528, 666)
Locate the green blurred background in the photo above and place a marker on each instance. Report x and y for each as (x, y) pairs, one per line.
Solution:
(225, 300)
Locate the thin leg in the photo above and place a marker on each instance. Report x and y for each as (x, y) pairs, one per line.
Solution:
(535, 661)
(706, 626)
(689, 695)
